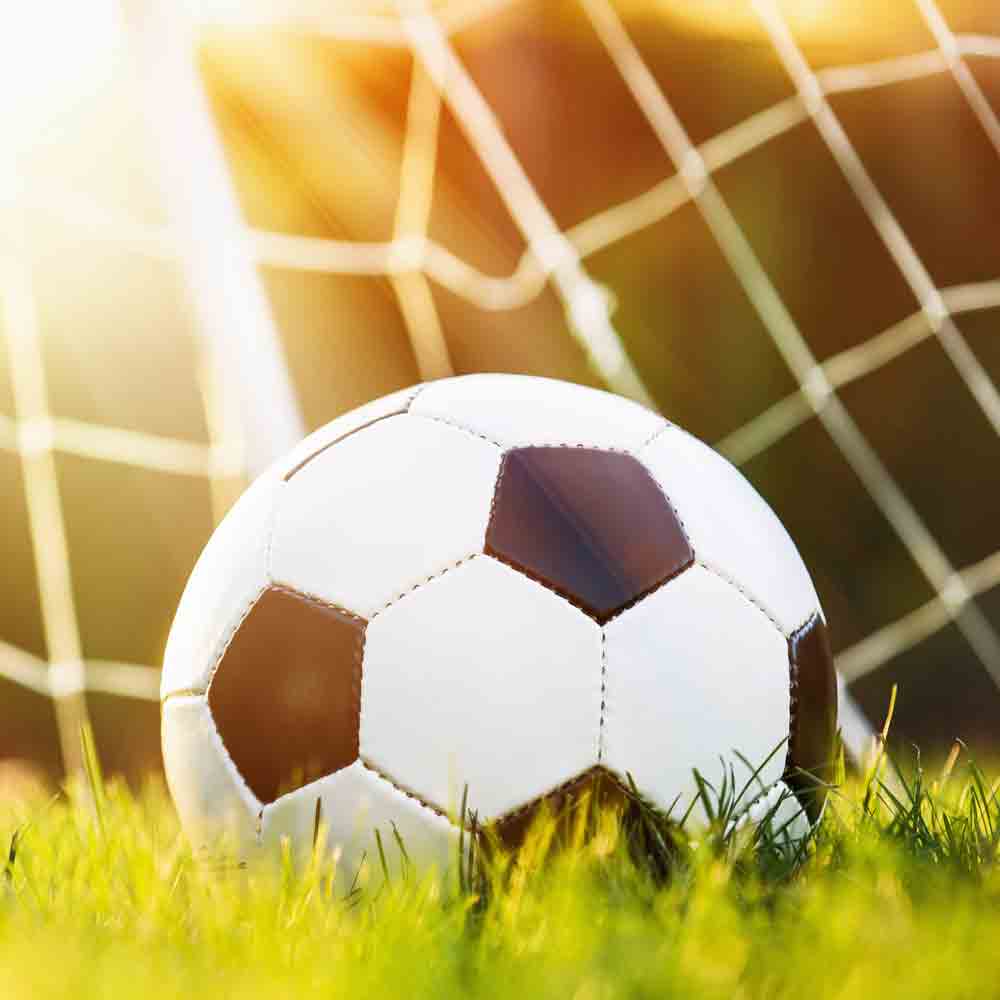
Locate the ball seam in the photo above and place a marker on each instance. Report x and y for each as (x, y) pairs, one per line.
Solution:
(456, 426)
(437, 574)
(747, 596)
(604, 690)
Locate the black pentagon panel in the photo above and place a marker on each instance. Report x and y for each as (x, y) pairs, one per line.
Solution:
(286, 697)
(590, 524)
(813, 727)
(596, 789)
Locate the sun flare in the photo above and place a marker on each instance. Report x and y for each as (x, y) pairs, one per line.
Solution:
(54, 55)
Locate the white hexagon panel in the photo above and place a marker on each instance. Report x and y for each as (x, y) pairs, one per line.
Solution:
(219, 804)
(383, 510)
(481, 679)
(731, 527)
(353, 804)
(726, 663)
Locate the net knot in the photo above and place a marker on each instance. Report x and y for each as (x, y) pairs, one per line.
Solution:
(816, 388)
(67, 678)
(35, 436)
(407, 253)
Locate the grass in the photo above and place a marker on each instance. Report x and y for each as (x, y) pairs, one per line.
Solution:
(897, 894)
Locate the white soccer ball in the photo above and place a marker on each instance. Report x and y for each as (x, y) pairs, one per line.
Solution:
(493, 583)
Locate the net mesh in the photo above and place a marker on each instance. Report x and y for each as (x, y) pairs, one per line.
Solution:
(412, 261)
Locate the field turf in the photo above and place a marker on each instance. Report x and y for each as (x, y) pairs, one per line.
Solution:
(898, 895)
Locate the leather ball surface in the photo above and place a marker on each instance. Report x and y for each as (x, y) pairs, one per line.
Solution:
(494, 583)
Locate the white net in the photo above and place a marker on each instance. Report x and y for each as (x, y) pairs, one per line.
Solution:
(245, 370)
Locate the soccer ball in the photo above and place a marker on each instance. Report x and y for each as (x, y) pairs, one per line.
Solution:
(490, 586)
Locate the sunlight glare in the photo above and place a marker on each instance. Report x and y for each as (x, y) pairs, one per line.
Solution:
(811, 21)
(53, 56)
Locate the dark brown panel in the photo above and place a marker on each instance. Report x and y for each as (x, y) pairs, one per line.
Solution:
(286, 696)
(813, 726)
(577, 808)
(592, 525)
(596, 788)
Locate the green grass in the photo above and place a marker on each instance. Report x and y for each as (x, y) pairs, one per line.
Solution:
(897, 895)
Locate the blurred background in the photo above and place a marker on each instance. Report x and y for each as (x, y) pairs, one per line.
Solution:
(225, 225)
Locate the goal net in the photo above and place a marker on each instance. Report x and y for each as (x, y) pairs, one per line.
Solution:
(794, 261)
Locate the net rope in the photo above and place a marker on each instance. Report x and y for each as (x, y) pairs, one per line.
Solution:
(411, 261)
